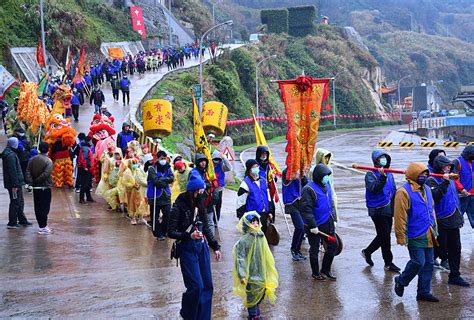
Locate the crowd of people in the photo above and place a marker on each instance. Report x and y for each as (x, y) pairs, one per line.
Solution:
(177, 199)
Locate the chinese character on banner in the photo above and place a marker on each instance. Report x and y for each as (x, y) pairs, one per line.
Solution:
(137, 21)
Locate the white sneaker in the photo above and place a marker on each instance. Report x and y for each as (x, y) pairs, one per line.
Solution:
(49, 229)
(142, 221)
(134, 221)
(44, 231)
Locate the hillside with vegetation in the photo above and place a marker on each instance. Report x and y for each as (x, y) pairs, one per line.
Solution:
(74, 23)
(231, 79)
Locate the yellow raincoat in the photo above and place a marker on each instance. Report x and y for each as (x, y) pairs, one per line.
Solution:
(253, 261)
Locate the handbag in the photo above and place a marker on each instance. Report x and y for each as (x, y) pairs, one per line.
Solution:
(272, 234)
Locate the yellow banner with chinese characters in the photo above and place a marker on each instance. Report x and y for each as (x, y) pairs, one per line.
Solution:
(200, 142)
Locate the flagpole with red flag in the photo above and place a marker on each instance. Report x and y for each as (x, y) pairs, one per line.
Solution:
(40, 55)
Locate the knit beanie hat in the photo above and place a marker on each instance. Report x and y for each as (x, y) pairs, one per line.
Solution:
(250, 163)
(12, 142)
(195, 182)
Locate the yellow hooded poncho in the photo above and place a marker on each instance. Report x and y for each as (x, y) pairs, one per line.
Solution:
(253, 261)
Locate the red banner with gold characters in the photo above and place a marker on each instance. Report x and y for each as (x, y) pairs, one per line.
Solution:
(303, 99)
(138, 21)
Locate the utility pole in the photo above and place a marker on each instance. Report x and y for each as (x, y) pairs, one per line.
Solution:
(169, 24)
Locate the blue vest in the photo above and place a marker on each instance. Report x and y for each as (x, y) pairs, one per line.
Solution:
(430, 169)
(126, 138)
(291, 192)
(75, 99)
(203, 176)
(87, 79)
(220, 174)
(93, 72)
(125, 84)
(150, 192)
(448, 204)
(420, 213)
(382, 198)
(466, 174)
(322, 209)
(264, 172)
(257, 199)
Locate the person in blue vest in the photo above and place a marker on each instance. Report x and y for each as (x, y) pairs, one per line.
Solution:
(415, 227)
(253, 193)
(94, 75)
(221, 166)
(80, 88)
(262, 155)
(190, 225)
(88, 81)
(465, 184)
(380, 192)
(125, 136)
(160, 177)
(448, 218)
(291, 192)
(201, 166)
(75, 104)
(433, 154)
(319, 215)
(125, 87)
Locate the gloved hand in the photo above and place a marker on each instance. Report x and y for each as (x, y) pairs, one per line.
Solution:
(314, 230)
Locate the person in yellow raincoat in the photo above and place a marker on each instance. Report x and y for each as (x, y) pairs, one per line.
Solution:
(254, 274)
(106, 166)
(112, 194)
(181, 175)
(134, 180)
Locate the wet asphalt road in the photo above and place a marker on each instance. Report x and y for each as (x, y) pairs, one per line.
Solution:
(97, 265)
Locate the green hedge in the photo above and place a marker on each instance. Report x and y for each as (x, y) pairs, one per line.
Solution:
(275, 19)
(301, 20)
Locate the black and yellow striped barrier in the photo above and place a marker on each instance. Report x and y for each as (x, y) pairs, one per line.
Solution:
(406, 144)
(451, 144)
(385, 144)
(428, 144)
(470, 143)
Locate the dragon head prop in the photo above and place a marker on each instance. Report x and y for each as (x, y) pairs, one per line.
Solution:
(101, 127)
(60, 129)
(62, 98)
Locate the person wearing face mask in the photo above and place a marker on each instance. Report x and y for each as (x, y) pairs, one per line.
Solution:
(159, 180)
(318, 214)
(221, 166)
(433, 154)
(326, 157)
(190, 225)
(181, 175)
(465, 183)
(254, 274)
(380, 191)
(253, 193)
(448, 218)
(262, 157)
(415, 227)
(202, 164)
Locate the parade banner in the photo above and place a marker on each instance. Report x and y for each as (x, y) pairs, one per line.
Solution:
(303, 99)
(40, 55)
(115, 53)
(80, 66)
(200, 142)
(6, 81)
(138, 21)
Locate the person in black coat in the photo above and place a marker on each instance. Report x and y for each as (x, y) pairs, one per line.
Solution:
(190, 225)
(13, 181)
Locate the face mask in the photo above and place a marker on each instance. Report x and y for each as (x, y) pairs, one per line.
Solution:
(255, 171)
(162, 162)
(325, 180)
(263, 158)
(383, 161)
(135, 166)
(421, 180)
